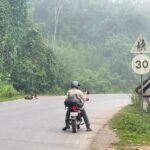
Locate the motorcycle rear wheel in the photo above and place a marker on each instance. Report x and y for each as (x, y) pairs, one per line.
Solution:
(78, 126)
(74, 126)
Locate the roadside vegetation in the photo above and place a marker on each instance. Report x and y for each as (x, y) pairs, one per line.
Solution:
(8, 92)
(129, 127)
(44, 44)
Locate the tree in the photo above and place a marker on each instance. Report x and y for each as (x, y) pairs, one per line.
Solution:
(4, 32)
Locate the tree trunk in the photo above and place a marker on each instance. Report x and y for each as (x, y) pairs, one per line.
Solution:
(58, 7)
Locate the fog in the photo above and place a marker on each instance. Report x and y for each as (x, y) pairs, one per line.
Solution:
(101, 29)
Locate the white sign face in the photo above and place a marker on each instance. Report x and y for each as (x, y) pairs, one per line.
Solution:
(141, 45)
(141, 64)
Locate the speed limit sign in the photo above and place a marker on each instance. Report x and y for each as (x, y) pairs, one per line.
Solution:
(141, 64)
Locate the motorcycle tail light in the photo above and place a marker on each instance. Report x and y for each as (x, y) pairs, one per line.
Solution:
(73, 107)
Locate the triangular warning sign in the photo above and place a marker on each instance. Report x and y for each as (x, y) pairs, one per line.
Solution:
(141, 45)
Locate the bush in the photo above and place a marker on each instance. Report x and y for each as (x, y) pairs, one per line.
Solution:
(7, 90)
(56, 90)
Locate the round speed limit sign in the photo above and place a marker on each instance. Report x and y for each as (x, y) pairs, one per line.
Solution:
(141, 64)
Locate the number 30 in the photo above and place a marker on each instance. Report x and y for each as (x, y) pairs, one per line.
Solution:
(143, 64)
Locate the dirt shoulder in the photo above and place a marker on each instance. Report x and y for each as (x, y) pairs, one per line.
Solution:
(103, 139)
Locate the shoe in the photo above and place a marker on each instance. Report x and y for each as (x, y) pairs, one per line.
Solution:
(89, 129)
(65, 128)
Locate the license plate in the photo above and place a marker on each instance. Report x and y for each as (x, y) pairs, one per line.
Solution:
(74, 114)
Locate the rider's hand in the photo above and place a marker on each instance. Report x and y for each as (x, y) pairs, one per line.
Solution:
(87, 92)
(87, 99)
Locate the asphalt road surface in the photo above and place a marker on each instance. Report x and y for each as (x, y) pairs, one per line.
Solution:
(37, 124)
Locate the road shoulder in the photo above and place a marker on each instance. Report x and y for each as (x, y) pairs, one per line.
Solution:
(103, 139)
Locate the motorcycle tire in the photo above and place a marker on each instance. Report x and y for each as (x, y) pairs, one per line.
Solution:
(78, 126)
(74, 126)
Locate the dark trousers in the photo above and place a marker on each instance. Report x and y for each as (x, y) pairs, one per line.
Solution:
(83, 114)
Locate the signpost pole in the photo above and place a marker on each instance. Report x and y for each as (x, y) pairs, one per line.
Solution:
(142, 111)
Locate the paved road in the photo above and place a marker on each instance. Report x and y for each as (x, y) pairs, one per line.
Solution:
(37, 124)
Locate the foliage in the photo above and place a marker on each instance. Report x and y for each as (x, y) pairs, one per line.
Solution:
(7, 90)
(37, 68)
(96, 36)
(56, 90)
(28, 61)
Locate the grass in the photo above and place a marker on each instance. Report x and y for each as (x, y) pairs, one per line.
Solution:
(129, 128)
(4, 99)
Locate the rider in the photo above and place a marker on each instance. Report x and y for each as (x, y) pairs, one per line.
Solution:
(78, 94)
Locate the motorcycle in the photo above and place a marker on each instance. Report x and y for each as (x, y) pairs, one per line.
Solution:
(75, 118)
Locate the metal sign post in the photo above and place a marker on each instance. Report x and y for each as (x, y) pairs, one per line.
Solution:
(141, 64)
(142, 101)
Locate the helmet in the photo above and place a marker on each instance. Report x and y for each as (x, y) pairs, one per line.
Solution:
(75, 84)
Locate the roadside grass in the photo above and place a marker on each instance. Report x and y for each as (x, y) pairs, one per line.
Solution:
(129, 128)
(5, 99)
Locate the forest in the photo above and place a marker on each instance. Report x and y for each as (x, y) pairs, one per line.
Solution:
(45, 44)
